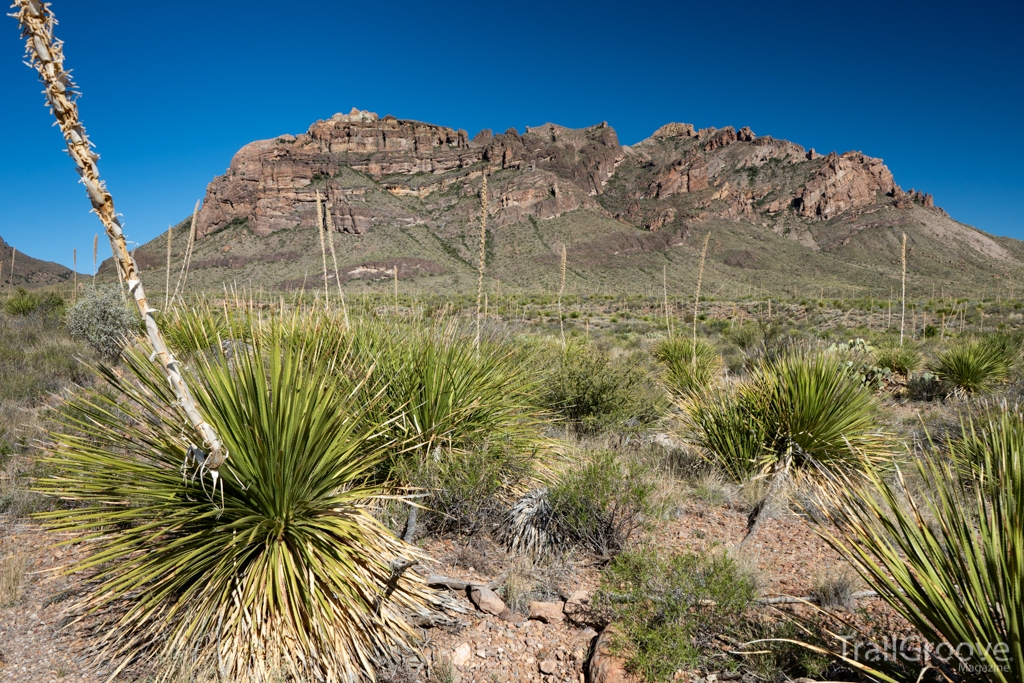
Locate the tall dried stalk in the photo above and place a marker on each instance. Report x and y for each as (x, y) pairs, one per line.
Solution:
(903, 280)
(696, 294)
(561, 291)
(323, 247)
(483, 257)
(167, 284)
(14, 253)
(179, 288)
(396, 288)
(664, 288)
(334, 257)
(45, 54)
(95, 255)
(74, 276)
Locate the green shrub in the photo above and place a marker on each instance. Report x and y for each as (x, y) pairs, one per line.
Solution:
(465, 491)
(103, 321)
(280, 568)
(973, 367)
(593, 393)
(802, 412)
(26, 303)
(602, 503)
(690, 368)
(746, 336)
(726, 426)
(669, 608)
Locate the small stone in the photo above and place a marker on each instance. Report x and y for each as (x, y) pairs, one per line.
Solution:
(548, 666)
(547, 612)
(461, 654)
(486, 600)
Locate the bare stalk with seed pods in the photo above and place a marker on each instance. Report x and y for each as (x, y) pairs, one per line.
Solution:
(45, 55)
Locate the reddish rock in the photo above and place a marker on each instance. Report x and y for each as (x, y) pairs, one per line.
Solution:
(675, 130)
(721, 138)
(844, 182)
(486, 600)
(745, 134)
(547, 612)
(605, 667)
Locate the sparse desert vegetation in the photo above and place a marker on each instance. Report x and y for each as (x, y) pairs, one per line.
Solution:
(546, 483)
(552, 477)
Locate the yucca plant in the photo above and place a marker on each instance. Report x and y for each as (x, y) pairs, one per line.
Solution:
(725, 426)
(281, 569)
(902, 360)
(999, 427)
(448, 392)
(973, 367)
(690, 367)
(800, 413)
(952, 563)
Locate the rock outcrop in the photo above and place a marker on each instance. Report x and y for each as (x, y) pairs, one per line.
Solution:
(372, 171)
(844, 182)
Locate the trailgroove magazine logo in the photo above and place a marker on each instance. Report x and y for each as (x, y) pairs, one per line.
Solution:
(964, 658)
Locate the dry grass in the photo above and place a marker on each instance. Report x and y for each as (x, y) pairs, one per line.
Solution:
(12, 579)
(836, 589)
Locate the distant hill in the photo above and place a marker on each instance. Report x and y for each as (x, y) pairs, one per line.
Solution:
(29, 272)
(406, 195)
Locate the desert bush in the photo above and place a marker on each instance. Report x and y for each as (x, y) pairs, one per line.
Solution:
(602, 503)
(441, 391)
(690, 368)
(466, 491)
(103, 321)
(275, 565)
(836, 589)
(198, 328)
(803, 412)
(598, 504)
(726, 426)
(26, 303)
(594, 393)
(973, 367)
(669, 608)
(995, 428)
(746, 336)
(950, 560)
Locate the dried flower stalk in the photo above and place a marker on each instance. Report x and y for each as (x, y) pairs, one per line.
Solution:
(45, 54)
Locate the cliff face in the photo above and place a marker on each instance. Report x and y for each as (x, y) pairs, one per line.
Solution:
(679, 175)
(400, 192)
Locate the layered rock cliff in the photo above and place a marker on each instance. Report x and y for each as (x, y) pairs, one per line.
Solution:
(400, 192)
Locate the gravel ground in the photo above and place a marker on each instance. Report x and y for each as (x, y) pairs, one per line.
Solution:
(38, 645)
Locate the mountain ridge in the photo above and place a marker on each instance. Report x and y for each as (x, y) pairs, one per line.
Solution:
(400, 189)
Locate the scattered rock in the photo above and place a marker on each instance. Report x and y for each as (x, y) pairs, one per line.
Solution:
(547, 612)
(577, 608)
(486, 600)
(548, 667)
(462, 654)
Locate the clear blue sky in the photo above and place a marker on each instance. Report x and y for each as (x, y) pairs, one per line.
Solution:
(173, 89)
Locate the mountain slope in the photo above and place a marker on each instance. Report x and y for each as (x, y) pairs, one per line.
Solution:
(405, 194)
(29, 272)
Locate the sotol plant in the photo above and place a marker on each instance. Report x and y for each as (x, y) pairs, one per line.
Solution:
(283, 569)
(950, 561)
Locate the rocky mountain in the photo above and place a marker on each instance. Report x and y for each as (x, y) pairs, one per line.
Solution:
(405, 194)
(29, 272)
